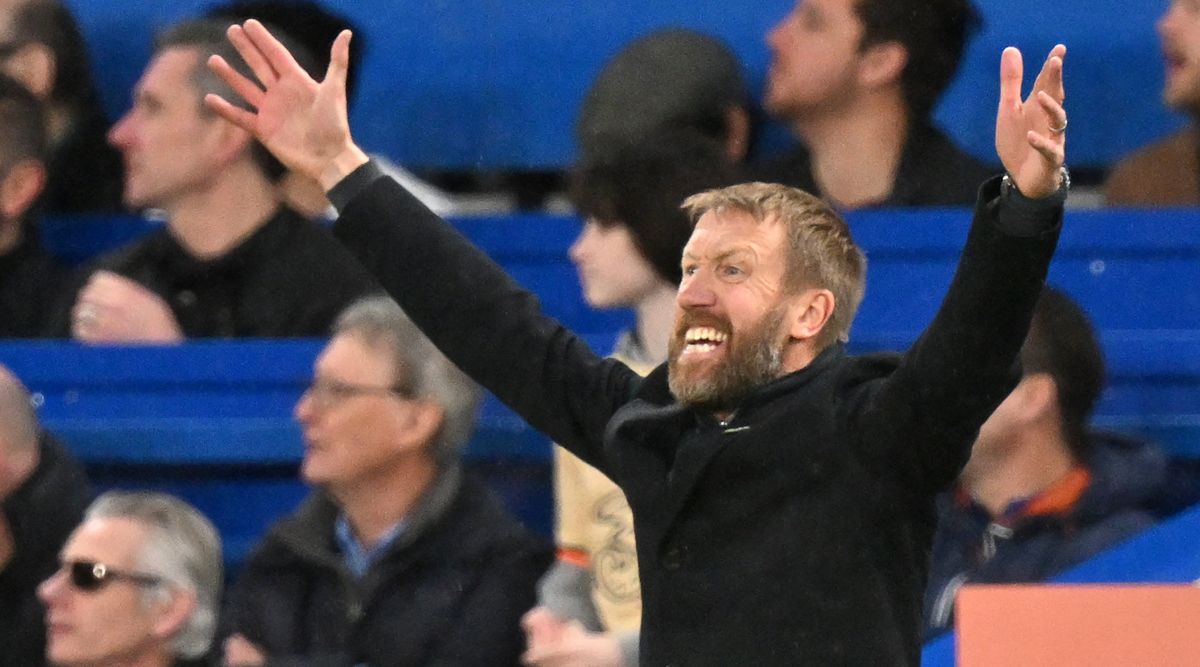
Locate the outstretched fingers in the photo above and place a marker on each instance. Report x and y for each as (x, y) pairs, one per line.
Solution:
(1050, 78)
(236, 115)
(244, 87)
(1011, 72)
(252, 55)
(1050, 149)
(276, 55)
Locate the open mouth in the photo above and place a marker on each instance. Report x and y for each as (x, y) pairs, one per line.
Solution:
(703, 339)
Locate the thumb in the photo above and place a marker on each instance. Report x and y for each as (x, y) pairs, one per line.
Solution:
(339, 60)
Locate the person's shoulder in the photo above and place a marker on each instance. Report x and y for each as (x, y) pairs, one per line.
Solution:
(1164, 172)
(485, 523)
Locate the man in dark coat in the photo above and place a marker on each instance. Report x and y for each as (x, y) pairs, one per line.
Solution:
(1041, 492)
(774, 480)
(397, 558)
(43, 492)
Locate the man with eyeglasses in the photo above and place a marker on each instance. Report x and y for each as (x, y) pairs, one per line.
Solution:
(139, 584)
(43, 492)
(398, 557)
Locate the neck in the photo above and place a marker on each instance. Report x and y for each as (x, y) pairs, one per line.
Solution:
(1033, 464)
(374, 505)
(856, 149)
(212, 221)
(655, 320)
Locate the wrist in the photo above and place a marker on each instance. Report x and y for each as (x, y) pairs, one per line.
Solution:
(350, 158)
(1009, 187)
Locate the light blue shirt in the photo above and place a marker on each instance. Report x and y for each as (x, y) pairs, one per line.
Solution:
(359, 558)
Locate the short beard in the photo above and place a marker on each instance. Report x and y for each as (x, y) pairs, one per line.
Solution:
(755, 358)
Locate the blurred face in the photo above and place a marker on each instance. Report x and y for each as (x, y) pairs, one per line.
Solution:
(612, 271)
(814, 58)
(169, 145)
(1179, 31)
(109, 625)
(729, 334)
(353, 425)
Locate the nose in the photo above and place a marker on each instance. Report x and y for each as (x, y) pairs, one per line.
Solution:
(121, 133)
(775, 35)
(1164, 22)
(695, 292)
(580, 247)
(303, 412)
(49, 590)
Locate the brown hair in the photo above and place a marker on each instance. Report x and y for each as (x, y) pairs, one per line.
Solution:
(821, 251)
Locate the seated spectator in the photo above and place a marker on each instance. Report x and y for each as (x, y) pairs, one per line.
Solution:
(231, 260)
(41, 46)
(314, 28)
(628, 257)
(668, 80)
(857, 81)
(43, 492)
(138, 585)
(29, 277)
(398, 557)
(1167, 172)
(1040, 493)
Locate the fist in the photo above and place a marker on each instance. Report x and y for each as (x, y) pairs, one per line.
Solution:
(114, 309)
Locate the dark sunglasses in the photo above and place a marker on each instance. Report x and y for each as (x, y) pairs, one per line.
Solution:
(91, 576)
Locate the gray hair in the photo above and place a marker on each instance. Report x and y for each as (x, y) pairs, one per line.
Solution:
(18, 422)
(420, 368)
(183, 548)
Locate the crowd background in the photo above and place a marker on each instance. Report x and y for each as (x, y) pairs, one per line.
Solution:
(483, 96)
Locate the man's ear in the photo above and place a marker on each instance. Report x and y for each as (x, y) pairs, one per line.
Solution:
(21, 187)
(1039, 397)
(422, 420)
(882, 64)
(810, 313)
(34, 65)
(173, 612)
(231, 141)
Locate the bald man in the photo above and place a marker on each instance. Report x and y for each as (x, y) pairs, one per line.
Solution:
(43, 492)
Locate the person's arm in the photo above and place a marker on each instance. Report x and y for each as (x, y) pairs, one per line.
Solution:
(471, 309)
(963, 365)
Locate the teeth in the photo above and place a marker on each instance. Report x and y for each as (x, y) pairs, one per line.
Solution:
(708, 335)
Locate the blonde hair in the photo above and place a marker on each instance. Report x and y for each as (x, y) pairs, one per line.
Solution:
(821, 251)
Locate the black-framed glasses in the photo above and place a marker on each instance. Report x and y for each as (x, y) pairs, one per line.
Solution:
(331, 392)
(89, 576)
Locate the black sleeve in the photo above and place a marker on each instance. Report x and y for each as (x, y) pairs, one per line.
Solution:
(479, 317)
(921, 422)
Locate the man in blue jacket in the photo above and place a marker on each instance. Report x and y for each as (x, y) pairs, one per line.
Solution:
(775, 481)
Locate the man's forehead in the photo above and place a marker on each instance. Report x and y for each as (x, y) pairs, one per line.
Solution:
(732, 224)
(170, 70)
(113, 540)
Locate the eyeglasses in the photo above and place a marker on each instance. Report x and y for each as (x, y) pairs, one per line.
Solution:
(326, 393)
(90, 576)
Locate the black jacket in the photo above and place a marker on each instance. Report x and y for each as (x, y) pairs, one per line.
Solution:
(799, 533)
(288, 278)
(41, 513)
(30, 283)
(932, 172)
(450, 591)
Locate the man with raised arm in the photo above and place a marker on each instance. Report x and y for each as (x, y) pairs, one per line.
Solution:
(774, 479)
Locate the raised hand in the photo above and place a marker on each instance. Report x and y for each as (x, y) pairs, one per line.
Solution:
(302, 122)
(1031, 134)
